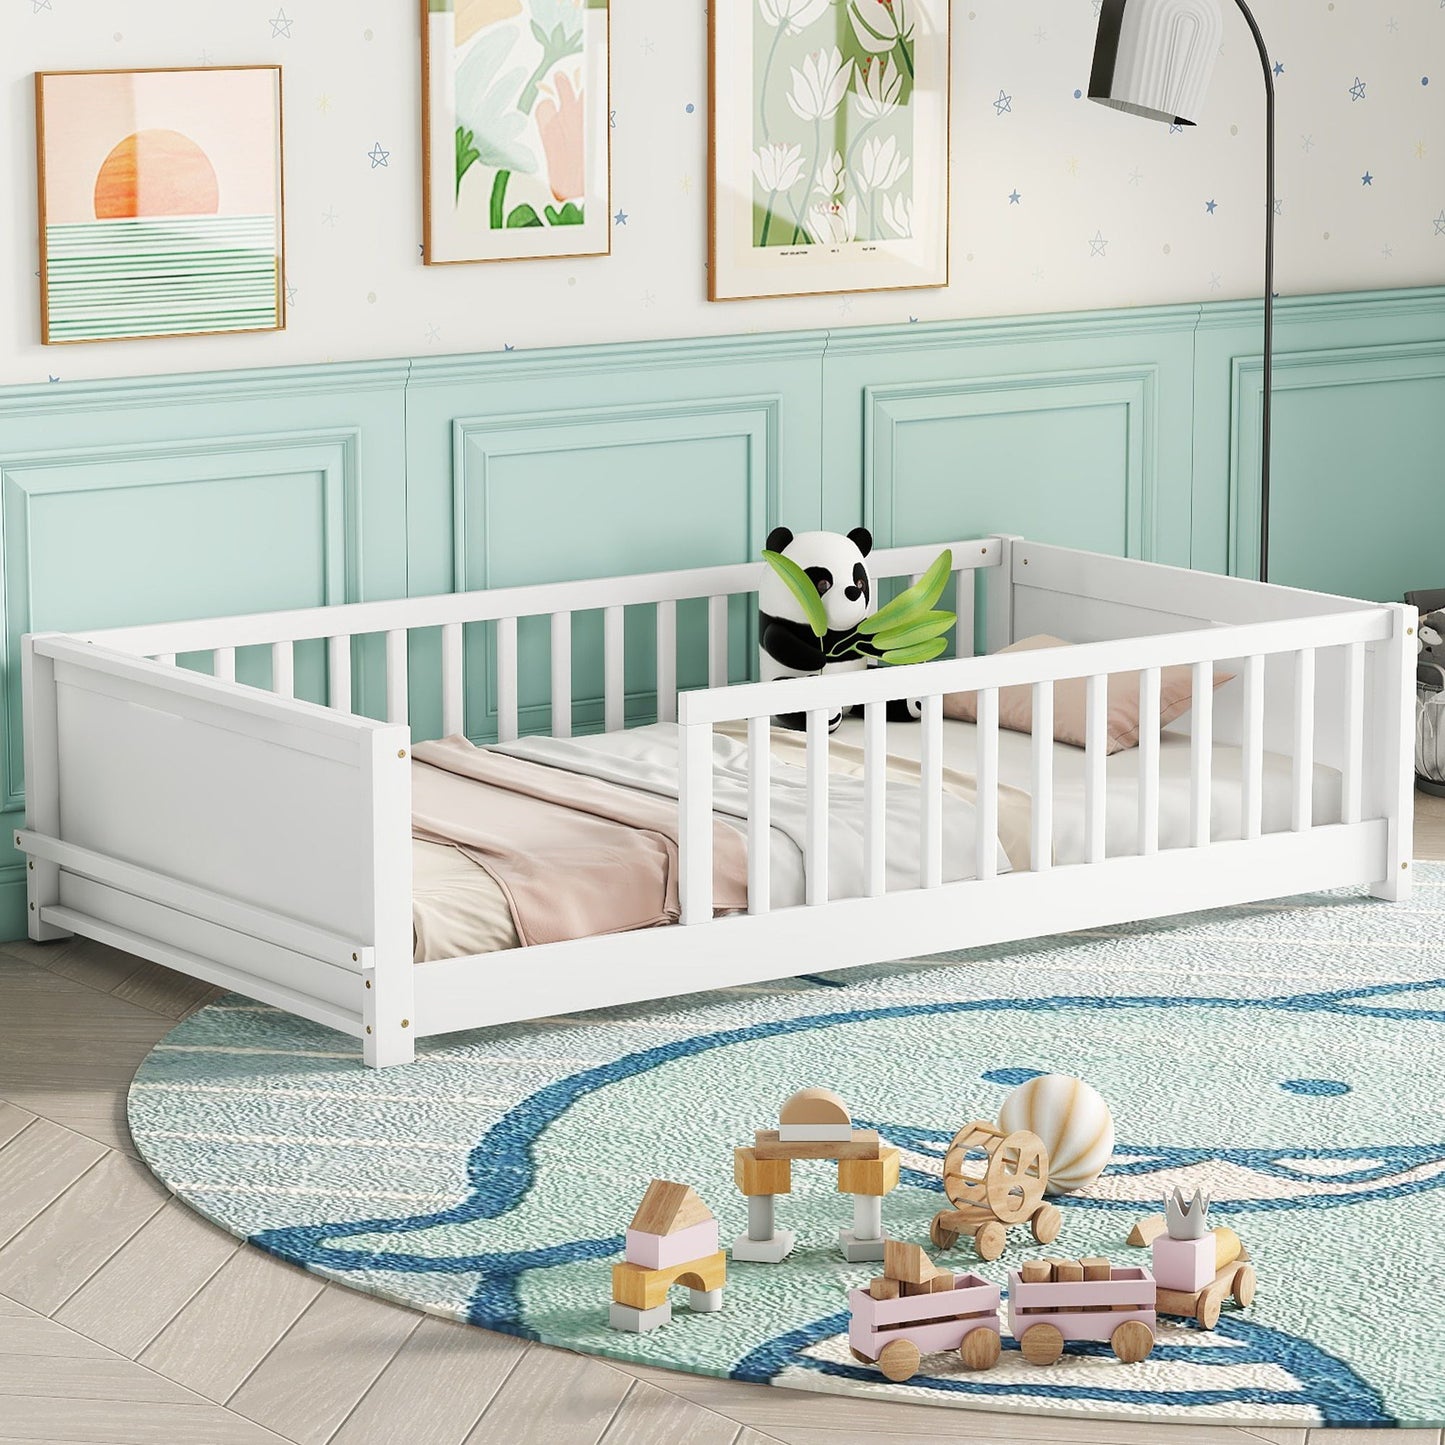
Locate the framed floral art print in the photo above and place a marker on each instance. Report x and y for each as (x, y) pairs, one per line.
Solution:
(829, 146)
(515, 129)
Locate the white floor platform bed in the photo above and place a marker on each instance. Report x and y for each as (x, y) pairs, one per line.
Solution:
(265, 844)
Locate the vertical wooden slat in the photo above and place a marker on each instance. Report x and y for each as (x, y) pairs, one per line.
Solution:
(614, 686)
(964, 585)
(453, 722)
(759, 821)
(1096, 796)
(1302, 778)
(1352, 782)
(717, 641)
(1251, 801)
(223, 664)
(338, 673)
(875, 797)
(561, 674)
(816, 839)
(694, 802)
(985, 847)
(506, 679)
(667, 661)
(930, 793)
(1041, 822)
(1201, 754)
(1149, 682)
(397, 688)
(283, 669)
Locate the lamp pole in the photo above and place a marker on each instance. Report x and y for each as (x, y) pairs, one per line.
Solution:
(1266, 426)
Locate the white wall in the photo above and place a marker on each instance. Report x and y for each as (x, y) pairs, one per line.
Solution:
(354, 229)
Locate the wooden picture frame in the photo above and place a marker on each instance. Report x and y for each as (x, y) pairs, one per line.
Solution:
(516, 130)
(828, 146)
(161, 202)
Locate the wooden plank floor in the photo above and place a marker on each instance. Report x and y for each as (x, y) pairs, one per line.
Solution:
(124, 1317)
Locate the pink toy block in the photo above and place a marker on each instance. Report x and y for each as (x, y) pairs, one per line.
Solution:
(662, 1251)
(1184, 1264)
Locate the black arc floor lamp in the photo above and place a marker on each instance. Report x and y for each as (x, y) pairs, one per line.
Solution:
(1154, 58)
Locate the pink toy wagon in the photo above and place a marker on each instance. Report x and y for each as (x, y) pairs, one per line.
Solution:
(1117, 1306)
(895, 1334)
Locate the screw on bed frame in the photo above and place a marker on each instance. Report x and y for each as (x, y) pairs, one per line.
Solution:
(406, 1023)
(401, 752)
(368, 1028)
(368, 982)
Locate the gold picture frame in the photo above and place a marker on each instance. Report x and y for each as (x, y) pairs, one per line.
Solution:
(161, 202)
(828, 147)
(521, 90)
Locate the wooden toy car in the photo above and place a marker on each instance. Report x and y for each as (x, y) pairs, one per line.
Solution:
(1054, 1301)
(958, 1312)
(994, 1180)
(1237, 1278)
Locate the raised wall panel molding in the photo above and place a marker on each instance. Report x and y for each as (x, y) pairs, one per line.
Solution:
(482, 445)
(889, 410)
(1297, 372)
(29, 483)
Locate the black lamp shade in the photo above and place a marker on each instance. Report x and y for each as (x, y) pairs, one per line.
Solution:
(1155, 57)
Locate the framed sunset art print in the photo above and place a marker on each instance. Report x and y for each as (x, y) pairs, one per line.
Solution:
(516, 130)
(160, 202)
(829, 146)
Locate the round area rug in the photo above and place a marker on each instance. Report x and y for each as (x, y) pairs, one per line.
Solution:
(1288, 1057)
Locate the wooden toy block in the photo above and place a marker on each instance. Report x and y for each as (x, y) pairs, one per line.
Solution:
(870, 1176)
(761, 1176)
(908, 1262)
(668, 1207)
(1036, 1271)
(704, 1301)
(860, 1144)
(815, 1106)
(1184, 1264)
(1148, 1230)
(638, 1322)
(1094, 1269)
(773, 1250)
(1068, 1271)
(645, 1289)
(942, 1281)
(660, 1251)
(909, 1288)
(1227, 1247)
(883, 1288)
(861, 1248)
(815, 1133)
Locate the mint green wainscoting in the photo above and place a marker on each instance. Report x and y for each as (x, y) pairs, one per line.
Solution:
(1130, 432)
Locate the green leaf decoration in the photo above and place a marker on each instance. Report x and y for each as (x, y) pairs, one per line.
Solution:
(467, 154)
(522, 217)
(908, 606)
(801, 586)
(934, 624)
(919, 652)
(569, 215)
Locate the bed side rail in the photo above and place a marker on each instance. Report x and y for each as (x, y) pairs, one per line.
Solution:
(1374, 782)
(257, 842)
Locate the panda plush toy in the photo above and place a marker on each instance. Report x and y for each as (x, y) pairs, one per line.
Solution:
(837, 566)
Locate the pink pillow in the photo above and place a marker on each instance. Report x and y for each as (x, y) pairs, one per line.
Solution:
(1016, 704)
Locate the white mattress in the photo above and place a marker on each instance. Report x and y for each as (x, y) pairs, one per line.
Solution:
(458, 910)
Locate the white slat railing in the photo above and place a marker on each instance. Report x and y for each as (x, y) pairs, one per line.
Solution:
(717, 641)
(452, 708)
(283, 669)
(815, 852)
(1096, 758)
(614, 670)
(875, 798)
(930, 801)
(1302, 776)
(338, 674)
(985, 808)
(1150, 681)
(667, 661)
(1201, 755)
(506, 679)
(759, 819)
(561, 637)
(1352, 779)
(398, 693)
(1041, 779)
(1252, 744)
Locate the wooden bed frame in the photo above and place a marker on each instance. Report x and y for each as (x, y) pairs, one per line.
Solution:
(264, 844)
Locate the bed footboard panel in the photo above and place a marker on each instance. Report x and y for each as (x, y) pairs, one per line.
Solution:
(221, 831)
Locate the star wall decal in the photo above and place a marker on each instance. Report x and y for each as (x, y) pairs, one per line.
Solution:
(323, 104)
(1420, 150)
(1357, 90)
(620, 219)
(1175, 128)
(1014, 198)
(433, 334)
(1392, 25)
(377, 156)
(1211, 206)
(281, 25)
(1215, 280)
(1097, 243)
(1387, 251)
(1135, 177)
(290, 294)
(1278, 68)
(1307, 143)
(1004, 104)
(1367, 179)
(647, 45)
(1279, 205)
(36, 6)
(328, 216)
(1440, 219)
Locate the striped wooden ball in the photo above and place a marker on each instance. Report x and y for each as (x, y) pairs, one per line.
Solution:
(1072, 1120)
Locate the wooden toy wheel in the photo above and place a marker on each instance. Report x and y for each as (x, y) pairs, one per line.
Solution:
(1041, 1344)
(1047, 1222)
(980, 1349)
(899, 1360)
(1244, 1283)
(1018, 1173)
(1132, 1341)
(942, 1236)
(1206, 1312)
(990, 1240)
(860, 1356)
